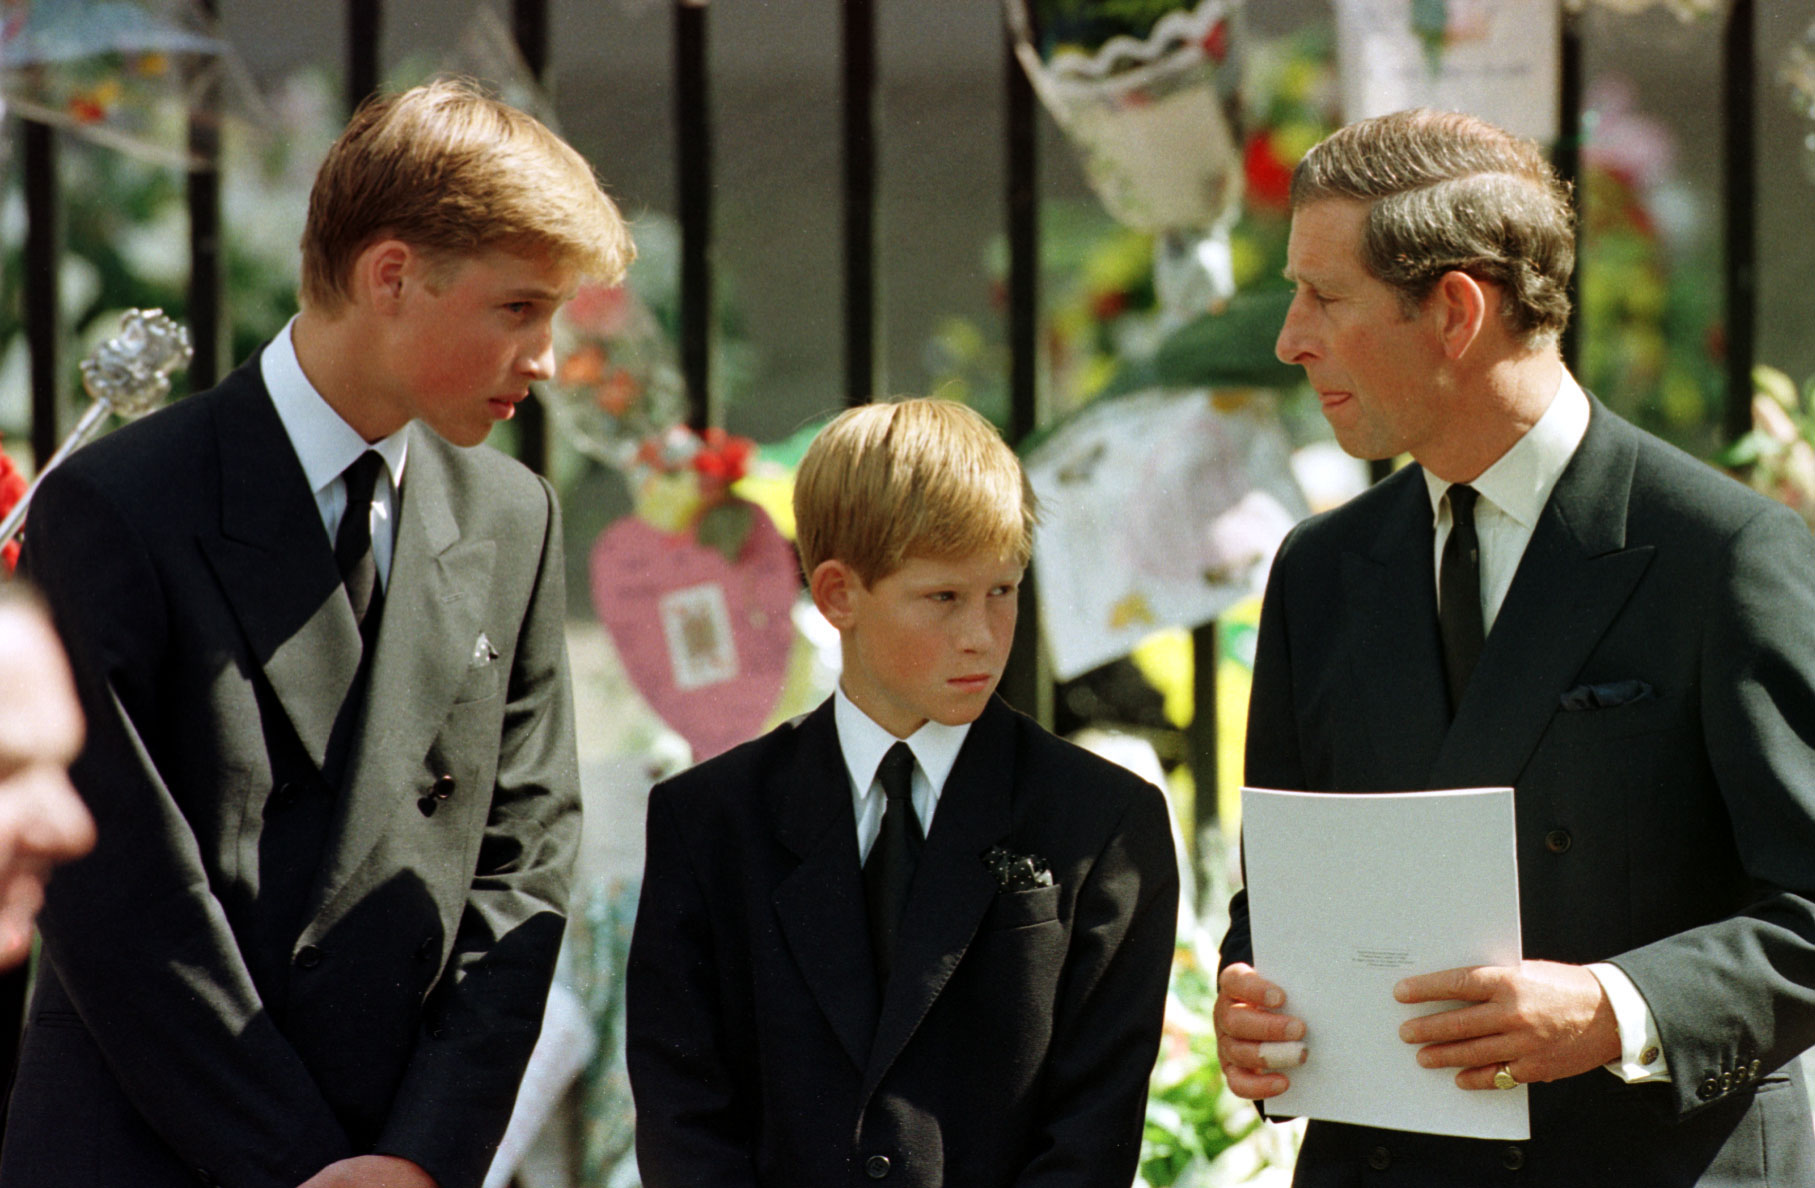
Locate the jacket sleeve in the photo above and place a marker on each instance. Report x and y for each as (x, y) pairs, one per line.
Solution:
(136, 937)
(1272, 756)
(481, 1021)
(694, 1127)
(1106, 1034)
(1735, 998)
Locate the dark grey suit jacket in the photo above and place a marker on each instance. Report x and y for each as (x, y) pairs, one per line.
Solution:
(324, 908)
(1014, 1040)
(1648, 689)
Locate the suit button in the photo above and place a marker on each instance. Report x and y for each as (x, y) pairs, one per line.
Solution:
(287, 794)
(427, 806)
(1708, 1089)
(205, 1178)
(1757, 1067)
(308, 957)
(876, 1166)
(1512, 1159)
(425, 952)
(1380, 1159)
(1558, 841)
(444, 787)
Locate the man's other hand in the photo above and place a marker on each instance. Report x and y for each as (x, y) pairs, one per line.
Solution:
(1253, 1040)
(1543, 1020)
(371, 1171)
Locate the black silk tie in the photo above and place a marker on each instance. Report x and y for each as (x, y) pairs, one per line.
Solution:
(353, 543)
(888, 873)
(1459, 615)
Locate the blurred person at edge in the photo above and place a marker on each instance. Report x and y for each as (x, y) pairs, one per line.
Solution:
(42, 820)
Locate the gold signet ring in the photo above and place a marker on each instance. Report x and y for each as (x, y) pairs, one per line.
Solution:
(1503, 1078)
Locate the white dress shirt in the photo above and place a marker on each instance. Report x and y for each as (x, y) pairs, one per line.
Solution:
(326, 445)
(864, 743)
(1513, 493)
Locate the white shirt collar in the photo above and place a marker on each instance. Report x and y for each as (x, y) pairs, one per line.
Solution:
(324, 443)
(864, 743)
(1520, 482)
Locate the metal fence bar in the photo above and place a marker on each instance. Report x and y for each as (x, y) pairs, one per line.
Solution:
(1027, 681)
(206, 314)
(364, 22)
(529, 27)
(1567, 157)
(43, 294)
(859, 34)
(1740, 169)
(693, 151)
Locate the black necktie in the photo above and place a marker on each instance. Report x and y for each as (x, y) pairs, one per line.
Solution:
(889, 870)
(353, 543)
(1459, 582)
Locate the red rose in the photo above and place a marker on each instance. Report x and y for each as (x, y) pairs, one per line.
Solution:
(1216, 42)
(1269, 178)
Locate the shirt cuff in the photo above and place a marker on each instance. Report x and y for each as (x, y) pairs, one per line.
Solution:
(1641, 1049)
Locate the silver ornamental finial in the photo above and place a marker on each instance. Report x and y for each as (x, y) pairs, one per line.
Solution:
(128, 375)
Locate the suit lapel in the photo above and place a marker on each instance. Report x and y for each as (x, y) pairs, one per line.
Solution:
(1575, 576)
(820, 905)
(275, 564)
(952, 888)
(434, 603)
(1389, 595)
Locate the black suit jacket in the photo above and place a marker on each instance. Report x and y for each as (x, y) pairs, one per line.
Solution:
(1015, 1038)
(324, 908)
(1648, 689)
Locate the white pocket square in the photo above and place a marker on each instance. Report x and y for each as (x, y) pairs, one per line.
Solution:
(483, 652)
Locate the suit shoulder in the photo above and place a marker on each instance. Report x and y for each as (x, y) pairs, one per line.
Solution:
(158, 447)
(483, 465)
(1359, 519)
(148, 468)
(1082, 776)
(732, 776)
(1679, 493)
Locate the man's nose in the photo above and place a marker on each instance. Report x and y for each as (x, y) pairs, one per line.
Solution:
(1293, 345)
(55, 824)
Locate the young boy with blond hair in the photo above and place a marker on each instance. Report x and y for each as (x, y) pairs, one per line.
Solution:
(911, 936)
(319, 642)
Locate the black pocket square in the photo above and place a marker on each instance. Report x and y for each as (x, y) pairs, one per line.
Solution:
(1606, 695)
(1017, 872)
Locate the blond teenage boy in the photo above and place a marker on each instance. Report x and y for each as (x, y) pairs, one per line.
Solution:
(910, 937)
(319, 643)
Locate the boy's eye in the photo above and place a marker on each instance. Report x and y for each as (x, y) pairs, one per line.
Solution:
(1005, 588)
(942, 595)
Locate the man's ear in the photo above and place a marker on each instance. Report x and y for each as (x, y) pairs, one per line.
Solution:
(380, 273)
(834, 586)
(1463, 306)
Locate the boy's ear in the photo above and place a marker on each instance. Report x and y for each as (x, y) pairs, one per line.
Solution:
(833, 584)
(380, 271)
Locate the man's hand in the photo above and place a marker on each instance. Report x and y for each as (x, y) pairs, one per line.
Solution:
(1543, 1020)
(1252, 1038)
(371, 1171)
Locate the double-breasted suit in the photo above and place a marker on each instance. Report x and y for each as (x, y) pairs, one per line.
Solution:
(1014, 1040)
(1648, 689)
(328, 892)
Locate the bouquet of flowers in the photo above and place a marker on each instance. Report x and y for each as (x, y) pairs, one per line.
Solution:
(1148, 91)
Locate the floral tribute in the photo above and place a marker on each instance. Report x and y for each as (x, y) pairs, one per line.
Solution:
(695, 586)
(12, 489)
(125, 73)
